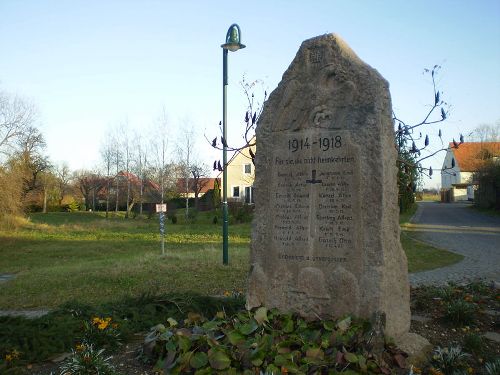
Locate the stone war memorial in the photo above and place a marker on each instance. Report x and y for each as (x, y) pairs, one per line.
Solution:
(325, 238)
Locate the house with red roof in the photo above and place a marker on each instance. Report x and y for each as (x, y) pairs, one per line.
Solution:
(461, 162)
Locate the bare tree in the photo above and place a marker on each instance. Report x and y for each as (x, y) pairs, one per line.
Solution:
(117, 160)
(486, 132)
(21, 152)
(63, 180)
(30, 158)
(107, 157)
(199, 181)
(252, 115)
(159, 146)
(127, 155)
(17, 115)
(185, 148)
(90, 185)
(140, 166)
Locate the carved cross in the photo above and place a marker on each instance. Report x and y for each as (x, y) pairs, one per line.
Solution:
(313, 178)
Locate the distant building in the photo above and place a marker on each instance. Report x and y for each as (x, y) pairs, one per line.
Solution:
(240, 177)
(460, 164)
(196, 186)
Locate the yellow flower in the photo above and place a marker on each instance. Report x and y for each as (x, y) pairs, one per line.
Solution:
(8, 357)
(103, 325)
(96, 320)
(227, 293)
(80, 347)
(470, 370)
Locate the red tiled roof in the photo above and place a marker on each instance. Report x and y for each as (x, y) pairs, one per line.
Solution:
(468, 155)
(136, 180)
(205, 183)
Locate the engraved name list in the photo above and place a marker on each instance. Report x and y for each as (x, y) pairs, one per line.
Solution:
(315, 178)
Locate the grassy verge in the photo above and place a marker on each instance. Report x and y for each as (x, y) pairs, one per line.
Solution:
(60, 257)
(422, 256)
(407, 215)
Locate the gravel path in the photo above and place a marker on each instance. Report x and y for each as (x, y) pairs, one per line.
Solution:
(458, 228)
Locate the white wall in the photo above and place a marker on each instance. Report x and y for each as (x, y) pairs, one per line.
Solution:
(450, 175)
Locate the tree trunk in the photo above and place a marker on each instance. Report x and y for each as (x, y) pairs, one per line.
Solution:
(44, 200)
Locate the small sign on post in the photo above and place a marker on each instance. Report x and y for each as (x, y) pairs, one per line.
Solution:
(162, 208)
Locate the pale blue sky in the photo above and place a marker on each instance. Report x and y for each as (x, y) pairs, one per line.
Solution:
(89, 65)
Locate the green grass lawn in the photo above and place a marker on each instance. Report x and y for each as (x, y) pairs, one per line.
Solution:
(62, 256)
(58, 257)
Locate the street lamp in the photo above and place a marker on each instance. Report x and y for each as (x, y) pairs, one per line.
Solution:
(233, 38)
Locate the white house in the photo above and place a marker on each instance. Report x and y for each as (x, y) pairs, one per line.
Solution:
(460, 164)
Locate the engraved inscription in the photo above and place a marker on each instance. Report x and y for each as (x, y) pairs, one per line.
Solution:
(315, 215)
(316, 55)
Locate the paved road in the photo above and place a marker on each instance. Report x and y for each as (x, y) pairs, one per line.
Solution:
(458, 228)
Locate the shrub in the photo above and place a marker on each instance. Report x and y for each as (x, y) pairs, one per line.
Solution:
(73, 207)
(192, 215)
(450, 360)
(102, 332)
(241, 213)
(460, 312)
(446, 293)
(473, 343)
(172, 216)
(493, 367)
(86, 360)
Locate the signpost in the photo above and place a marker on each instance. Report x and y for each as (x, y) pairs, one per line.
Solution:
(162, 209)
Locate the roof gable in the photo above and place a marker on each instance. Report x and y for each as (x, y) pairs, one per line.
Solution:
(470, 155)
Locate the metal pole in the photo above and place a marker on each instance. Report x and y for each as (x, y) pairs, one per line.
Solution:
(225, 255)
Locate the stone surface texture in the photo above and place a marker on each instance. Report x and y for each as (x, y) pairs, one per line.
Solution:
(325, 237)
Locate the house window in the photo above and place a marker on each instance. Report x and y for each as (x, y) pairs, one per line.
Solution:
(248, 168)
(236, 191)
(249, 195)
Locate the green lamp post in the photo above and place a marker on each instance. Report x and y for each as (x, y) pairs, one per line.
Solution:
(233, 43)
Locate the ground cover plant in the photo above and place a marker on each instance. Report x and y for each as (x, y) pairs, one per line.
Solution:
(455, 320)
(268, 341)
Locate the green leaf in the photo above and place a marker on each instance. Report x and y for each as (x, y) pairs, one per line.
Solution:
(344, 324)
(266, 342)
(218, 359)
(315, 353)
(172, 322)
(362, 363)
(198, 360)
(204, 371)
(170, 346)
(210, 325)
(261, 315)
(249, 327)
(257, 362)
(184, 343)
(328, 325)
(288, 326)
(351, 357)
(280, 360)
(272, 369)
(235, 338)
